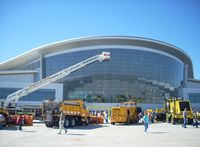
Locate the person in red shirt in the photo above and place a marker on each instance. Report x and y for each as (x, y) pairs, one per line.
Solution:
(20, 121)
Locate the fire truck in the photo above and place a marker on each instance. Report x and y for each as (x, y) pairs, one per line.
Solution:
(126, 113)
(74, 112)
(13, 98)
(174, 108)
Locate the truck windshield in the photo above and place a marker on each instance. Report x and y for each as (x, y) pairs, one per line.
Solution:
(184, 105)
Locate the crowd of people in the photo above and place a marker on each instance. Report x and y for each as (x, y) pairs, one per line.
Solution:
(144, 117)
(150, 117)
(101, 114)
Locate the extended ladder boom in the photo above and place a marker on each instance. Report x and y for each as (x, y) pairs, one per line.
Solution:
(105, 56)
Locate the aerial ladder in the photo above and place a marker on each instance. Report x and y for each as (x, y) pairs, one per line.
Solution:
(14, 97)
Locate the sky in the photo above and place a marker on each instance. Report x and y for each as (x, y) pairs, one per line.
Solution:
(27, 24)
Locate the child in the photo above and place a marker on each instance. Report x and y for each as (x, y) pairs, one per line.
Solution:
(146, 121)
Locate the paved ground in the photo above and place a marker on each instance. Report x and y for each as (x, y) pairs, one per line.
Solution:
(163, 135)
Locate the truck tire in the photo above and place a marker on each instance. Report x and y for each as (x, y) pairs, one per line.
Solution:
(78, 121)
(72, 122)
(87, 121)
(174, 121)
(56, 124)
(66, 123)
(112, 123)
(169, 119)
(48, 125)
(4, 123)
(190, 121)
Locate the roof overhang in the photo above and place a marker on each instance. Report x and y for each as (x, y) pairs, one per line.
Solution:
(10, 72)
(194, 80)
(36, 53)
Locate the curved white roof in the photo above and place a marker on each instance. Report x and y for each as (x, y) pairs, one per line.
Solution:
(35, 53)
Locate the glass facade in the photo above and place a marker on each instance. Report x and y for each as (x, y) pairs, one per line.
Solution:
(30, 66)
(144, 76)
(194, 97)
(38, 95)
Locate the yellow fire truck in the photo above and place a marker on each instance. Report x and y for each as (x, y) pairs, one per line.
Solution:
(74, 111)
(126, 113)
(174, 108)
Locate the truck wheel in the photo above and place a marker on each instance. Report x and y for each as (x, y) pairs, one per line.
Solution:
(66, 123)
(112, 123)
(169, 119)
(190, 121)
(55, 124)
(72, 122)
(4, 122)
(78, 121)
(48, 125)
(173, 121)
(87, 121)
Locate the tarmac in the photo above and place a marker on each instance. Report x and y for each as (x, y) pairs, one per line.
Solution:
(103, 135)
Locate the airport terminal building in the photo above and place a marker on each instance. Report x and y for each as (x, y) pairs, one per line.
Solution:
(141, 69)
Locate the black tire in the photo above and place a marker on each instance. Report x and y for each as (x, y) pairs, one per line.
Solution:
(66, 123)
(174, 121)
(48, 124)
(190, 121)
(78, 121)
(72, 122)
(164, 119)
(169, 119)
(56, 124)
(87, 121)
(112, 123)
(4, 123)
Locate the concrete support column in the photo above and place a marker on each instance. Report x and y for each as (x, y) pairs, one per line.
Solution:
(42, 67)
(185, 75)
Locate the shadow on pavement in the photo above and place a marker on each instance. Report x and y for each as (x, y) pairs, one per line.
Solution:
(123, 124)
(157, 132)
(89, 127)
(29, 131)
(10, 128)
(76, 134)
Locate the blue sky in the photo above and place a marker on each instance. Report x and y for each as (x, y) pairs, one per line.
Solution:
(26, 24)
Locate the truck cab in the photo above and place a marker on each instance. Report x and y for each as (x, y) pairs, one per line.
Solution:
(174, 108)
(126, 113)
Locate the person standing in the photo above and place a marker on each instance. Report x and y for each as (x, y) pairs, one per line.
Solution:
(153, 115)
(20, 121)
(146, 121)
(184, 118)
(2, 120)
(106, 117)
(195, 120)
(140, 117)
(61, 124)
